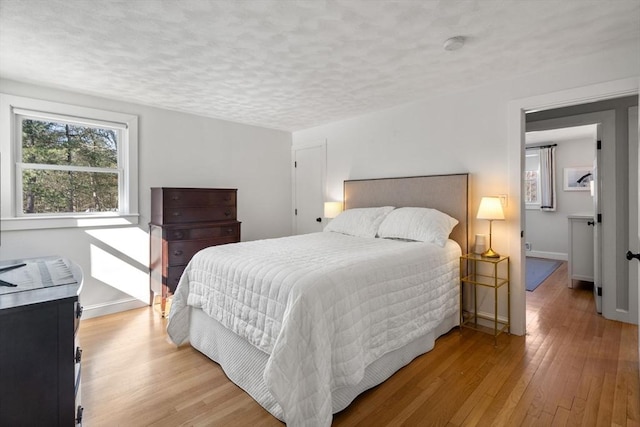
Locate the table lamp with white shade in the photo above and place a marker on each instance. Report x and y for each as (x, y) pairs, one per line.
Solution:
(332, 209)
(491, 209)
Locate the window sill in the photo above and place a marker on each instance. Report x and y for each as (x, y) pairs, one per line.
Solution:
(79, 221)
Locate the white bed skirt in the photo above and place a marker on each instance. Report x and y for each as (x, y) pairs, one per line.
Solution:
(244, 364)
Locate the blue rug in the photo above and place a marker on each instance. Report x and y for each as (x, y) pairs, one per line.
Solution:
(538, 269)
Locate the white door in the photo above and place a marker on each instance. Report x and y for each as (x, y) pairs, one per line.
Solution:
(634, 209)
(633, 112)
(597, 224)
(308, 183)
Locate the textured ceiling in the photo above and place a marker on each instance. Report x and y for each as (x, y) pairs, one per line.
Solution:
(295, 64)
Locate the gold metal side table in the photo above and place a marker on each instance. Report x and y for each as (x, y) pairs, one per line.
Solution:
(476, 270)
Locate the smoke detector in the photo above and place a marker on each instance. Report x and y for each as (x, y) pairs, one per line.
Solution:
(454, 43)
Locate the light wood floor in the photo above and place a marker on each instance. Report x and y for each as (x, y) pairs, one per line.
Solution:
(572, 368)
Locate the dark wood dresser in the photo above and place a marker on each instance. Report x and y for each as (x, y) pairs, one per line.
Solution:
(184, 221)
(40, 356)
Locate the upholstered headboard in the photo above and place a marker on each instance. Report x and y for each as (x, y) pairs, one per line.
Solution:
(447, 193)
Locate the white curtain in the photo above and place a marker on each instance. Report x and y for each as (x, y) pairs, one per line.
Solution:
(548, 179)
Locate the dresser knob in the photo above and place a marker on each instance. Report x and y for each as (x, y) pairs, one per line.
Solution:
(176, 214)
(229, 230)
(227, 213)
(177, 253)
(175, 197)
(178, 235)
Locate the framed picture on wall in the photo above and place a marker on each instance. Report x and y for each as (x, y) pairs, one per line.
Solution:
(578, 178)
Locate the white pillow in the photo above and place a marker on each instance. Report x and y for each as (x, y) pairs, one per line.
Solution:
(421, 224)
(360, 222)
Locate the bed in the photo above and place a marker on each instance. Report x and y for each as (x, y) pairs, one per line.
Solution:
(306, 323)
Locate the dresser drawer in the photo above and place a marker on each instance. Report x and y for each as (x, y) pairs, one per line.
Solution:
(173, 276)
(193, 197)
(169, 205)
(181, 252)
(179, 215)
(203, 232)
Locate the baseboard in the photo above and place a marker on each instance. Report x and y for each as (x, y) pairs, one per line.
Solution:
(549, 255)
(96, 310)
(489, 323)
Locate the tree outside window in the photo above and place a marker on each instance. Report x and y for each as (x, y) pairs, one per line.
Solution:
(68, 167)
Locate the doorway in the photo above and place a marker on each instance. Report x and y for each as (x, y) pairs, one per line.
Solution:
(612, 291)
(517, 109)
(566, 230)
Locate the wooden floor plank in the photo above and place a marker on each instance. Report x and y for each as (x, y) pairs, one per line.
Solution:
(561, 417)
(572, 368)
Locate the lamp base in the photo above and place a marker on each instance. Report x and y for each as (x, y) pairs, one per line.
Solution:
(489, 253)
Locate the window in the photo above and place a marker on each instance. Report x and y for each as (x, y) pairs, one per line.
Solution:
(67, 166)
(532, 179)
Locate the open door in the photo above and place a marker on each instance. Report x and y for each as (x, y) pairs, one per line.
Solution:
(634, 235)
(597, 223)
(634, 209)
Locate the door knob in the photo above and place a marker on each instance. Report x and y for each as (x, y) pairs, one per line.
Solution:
(319, 219)
(631, 255)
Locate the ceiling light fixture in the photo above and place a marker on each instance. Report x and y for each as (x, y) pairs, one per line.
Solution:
(454, 43)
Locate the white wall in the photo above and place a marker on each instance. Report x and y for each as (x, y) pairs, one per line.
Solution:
(460, 132)
(548, 231)
(175, 149)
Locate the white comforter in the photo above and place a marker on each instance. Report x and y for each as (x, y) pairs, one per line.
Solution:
(322, 305)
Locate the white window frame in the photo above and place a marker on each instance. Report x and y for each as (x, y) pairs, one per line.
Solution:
(533, 205)
(12, 108)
